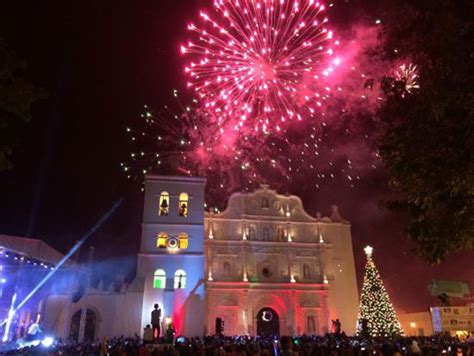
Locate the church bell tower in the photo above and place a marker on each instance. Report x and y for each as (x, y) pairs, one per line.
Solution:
(171, 258)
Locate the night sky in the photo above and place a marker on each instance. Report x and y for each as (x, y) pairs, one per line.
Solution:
(101, 61)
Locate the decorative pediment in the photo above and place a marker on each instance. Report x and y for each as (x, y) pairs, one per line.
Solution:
(309, 304)
(309, 301)
(228, 301)
(268, 250)
(265, 202)
(227, 251)
(308, 252)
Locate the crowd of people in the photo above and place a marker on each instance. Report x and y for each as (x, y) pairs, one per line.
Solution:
(258, 346)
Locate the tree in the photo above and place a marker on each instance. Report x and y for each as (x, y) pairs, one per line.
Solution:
(16, 97)
(428, 136)
(377, 317)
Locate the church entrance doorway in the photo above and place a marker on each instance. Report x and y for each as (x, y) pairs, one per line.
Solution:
(89, 326)
(268, 323)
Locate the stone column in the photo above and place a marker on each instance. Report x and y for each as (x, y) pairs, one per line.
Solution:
(209, 260)
(245, 275)
(288, 257)
(210, 312)
(245, 313)
(325, 321)
(289, 250)
(293, 318)
(322, 262)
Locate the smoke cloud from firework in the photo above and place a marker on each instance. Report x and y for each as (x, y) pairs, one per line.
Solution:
(233, 132)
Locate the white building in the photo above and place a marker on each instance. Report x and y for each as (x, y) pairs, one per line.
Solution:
(266, 258)
(263, 266)
(262, 258)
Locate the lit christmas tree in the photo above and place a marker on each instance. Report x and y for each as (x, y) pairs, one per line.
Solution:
(377, 317)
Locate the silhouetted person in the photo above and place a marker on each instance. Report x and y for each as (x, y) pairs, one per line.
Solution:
(34, 332)
(364, 328)
(22, 330)
(148, 335)
(155, 321)
(104, 346)
(444, 300)
(164, 207)
(183, 210)
(170, 331)
(285, 343)
(180, 284)
(338, 327)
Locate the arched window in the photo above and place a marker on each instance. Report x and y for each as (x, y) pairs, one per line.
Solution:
(164, 203)
(180, 279)
(306, 271)
(183, 205)
(265, 204)
(159, 279)
(227, 271)
(266, 234)
(161, 241)
(183, 240)
(251, 233)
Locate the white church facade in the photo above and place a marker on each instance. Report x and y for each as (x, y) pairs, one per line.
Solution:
(266, 258)
(262, 266)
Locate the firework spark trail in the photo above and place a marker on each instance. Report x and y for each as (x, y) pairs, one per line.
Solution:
(261, 63)
(187, 142)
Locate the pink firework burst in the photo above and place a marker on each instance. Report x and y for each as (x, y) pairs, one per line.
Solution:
(408, 75)
(258, 64)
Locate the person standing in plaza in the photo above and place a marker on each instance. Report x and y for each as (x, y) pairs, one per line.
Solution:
(155, 322)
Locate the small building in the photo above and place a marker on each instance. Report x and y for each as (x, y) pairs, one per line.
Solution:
(455, 315)
(416, 324)
(457, 321)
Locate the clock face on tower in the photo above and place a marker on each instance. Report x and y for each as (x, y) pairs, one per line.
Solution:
(172, 243)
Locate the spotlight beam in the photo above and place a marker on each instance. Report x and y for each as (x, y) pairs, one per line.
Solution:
(11, 313)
